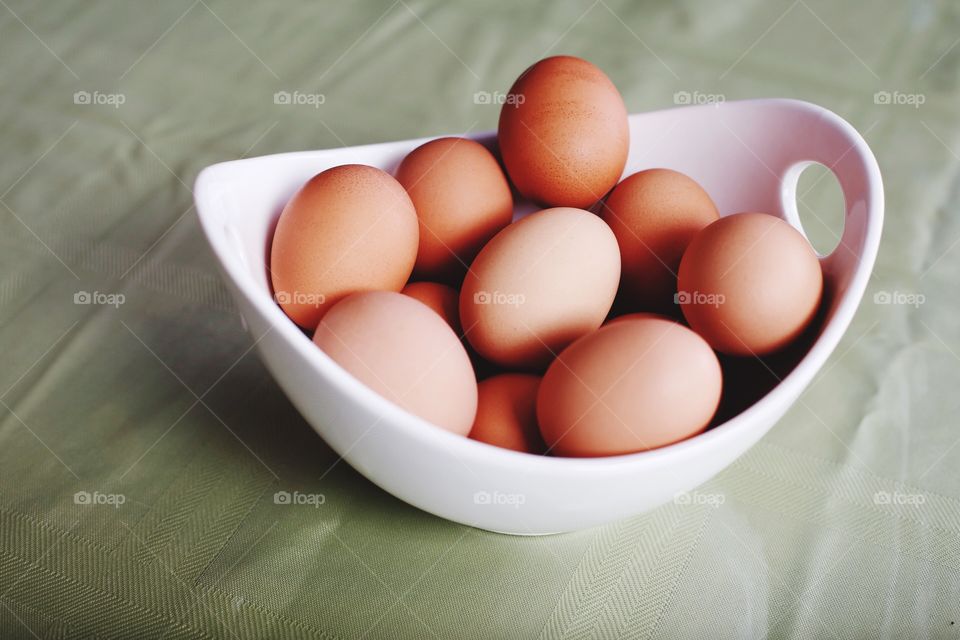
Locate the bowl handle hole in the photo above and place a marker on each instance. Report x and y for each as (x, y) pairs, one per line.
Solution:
(814, 204)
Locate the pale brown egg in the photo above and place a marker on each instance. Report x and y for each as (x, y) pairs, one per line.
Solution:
(404, 351)
(639, 315)
(538, 285)
(350, 228)
(462, 199)
(507, 413)
(563, 133)
(654, 214)
(750, 284)
(442, 299)
(633, 385)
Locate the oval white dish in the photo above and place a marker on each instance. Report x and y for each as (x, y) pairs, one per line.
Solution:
(748, 155)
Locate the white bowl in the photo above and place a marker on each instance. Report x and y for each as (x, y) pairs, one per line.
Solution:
(748, 155)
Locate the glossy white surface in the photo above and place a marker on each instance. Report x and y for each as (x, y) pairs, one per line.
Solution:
(748, 155)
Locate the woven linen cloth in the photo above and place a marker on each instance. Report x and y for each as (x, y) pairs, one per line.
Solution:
(142, 442)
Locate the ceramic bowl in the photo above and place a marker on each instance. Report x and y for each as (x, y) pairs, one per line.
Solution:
(748, 155)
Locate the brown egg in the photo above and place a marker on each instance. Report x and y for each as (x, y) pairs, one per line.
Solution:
(633, 385)
(749, 283)
(404, 351)
(462, 199)
(639, 315)
(538, 285)
(507, 413)
(442, 299)
(563, 133)
(350, 228)
(654, 214)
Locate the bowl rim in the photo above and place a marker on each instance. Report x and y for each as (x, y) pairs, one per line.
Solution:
(208, 189)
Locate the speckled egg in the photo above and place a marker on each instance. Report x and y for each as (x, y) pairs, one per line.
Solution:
(563, 133)
(350, 228)
(462, 199)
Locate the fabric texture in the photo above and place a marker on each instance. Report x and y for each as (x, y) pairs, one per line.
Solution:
(142, 442)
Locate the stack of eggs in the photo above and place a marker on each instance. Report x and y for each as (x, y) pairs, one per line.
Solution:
(420, 283)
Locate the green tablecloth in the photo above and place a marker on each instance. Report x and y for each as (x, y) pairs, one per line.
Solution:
(142, 442)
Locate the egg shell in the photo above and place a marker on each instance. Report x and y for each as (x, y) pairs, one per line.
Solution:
(750, 284)
(462, 200)
(350, 228)
(633, 385)
(444, 300)
(404, 351)
(655, 214)
(507, 413)
(637, 316)
(563, 133)
(538, 285)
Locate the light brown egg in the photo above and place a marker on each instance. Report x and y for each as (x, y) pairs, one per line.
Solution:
(750, 284)
(633, 385)
(462, 199)
(442, 299)
(350, 228)
(507, 413)
(563, 133)
(639, 315)
(538, 285)
(404, 351)
(654, 214)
